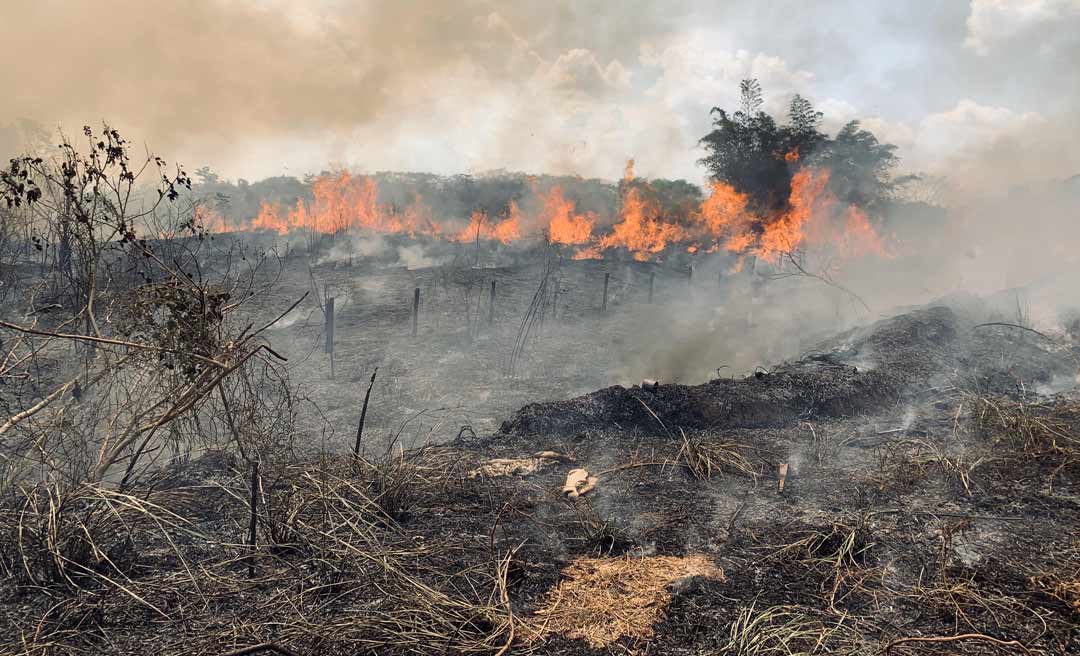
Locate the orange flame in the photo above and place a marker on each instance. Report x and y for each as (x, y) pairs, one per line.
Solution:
(480, 227)
(564, 225)
(210, 220)
(724, 220)
(640, 229)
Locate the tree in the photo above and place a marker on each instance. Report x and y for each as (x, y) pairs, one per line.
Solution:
(750, 152)
(860, 166)
(746, 150)
(804, 138)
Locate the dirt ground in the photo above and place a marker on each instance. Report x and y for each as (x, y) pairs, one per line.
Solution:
(447, 379)
(906, 486)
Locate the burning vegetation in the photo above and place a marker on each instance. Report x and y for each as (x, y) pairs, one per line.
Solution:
(804, 192)
(406, 438)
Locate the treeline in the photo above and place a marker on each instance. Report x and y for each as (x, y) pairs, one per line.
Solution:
(451, 196)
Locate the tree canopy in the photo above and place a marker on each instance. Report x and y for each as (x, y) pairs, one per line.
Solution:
(756, 155)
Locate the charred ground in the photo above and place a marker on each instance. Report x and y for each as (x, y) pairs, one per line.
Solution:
(930, 492)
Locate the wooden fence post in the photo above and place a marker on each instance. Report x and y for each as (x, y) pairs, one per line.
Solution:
(603, 303)
(415, 310)
(330, 332)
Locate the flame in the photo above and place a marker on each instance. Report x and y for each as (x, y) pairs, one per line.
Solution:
(564, 225)
(480, 227)
(808, 204)
(724, 217)
(724, 221)
(210, 220)
(859, 237)
(640, 229)
(593, 252)
(269, 218)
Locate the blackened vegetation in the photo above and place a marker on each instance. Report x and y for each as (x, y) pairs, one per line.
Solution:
(916, 505)
(823, 385)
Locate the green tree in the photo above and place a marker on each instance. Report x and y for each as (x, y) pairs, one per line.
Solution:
(746, 149)
(860, 165)
(758, 157)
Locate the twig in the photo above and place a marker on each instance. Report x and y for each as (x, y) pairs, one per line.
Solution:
(264, 646)
(1014, 325)
(113, 342)
(963, 636)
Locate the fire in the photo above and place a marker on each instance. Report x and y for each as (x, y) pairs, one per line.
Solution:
(481, 227)
(564, 225)
(269, 218)
(808, 205)
(725, 220)
(859, 237)
(640, 231)
(210, 219)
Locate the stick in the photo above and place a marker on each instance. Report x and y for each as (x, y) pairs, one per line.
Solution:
(363, 415)
(963, 636)
(1012, 325)
(264, 646)
(254, 515)
(652, 280)
(491, 305)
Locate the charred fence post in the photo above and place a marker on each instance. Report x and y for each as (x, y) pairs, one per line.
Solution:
(363, 416)
(652, 283)
(415, 310)
(491, 304)
(330, 332)
(603, 302)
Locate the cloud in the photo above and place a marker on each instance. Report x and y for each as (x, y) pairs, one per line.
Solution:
(992, 22)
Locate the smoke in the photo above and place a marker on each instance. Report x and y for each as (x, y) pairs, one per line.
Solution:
(347, 247)
(264, 88)
(414, 256)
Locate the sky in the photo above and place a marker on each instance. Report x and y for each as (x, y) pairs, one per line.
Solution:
(985, 92)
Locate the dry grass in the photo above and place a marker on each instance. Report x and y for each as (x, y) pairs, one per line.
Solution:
(349, 580)
(704, 459)
(785, 631)
(601, 600)
(1032, 429)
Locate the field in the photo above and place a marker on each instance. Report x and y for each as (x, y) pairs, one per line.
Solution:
(771, 474)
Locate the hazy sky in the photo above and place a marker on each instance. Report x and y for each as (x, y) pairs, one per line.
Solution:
(988, 89)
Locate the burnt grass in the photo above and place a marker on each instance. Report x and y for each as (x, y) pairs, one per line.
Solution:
(930, 493)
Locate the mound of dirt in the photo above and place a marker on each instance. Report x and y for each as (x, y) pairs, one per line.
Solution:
(858, 372)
